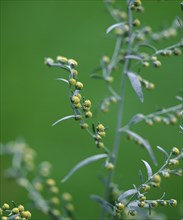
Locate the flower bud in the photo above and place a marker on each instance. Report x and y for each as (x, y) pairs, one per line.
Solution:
(62, 60)
(79, 85)
(72, 63)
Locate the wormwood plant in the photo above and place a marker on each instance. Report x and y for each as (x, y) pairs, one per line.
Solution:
(135, 50)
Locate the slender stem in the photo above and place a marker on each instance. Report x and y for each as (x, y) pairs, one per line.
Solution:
(120, 113)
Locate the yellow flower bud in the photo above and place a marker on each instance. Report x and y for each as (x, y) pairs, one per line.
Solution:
(50, 182)
(110, 166)
(136, 23)
(132, 212)
(163, 203)
(21, 208)
(157, 63)
(88, 114)
(141, 204)
(146, 187)
(74, 72)
(75, 99)
(87, 103)
(79, 85)
(100, 128)
(175, 151)
(157, 178)
(84, 126)
(154, 204)
(173, 202)
(5, 206)
(72, 63)
(100, 144)
(137, 3)
(120, 206)
(67, 197)
(105, 59)
(15, 211)
(62, 60)
(72, 82)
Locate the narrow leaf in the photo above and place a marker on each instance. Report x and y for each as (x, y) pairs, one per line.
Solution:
(148, 167)
(163, 151)
(84, 163)
(163, 196)
(133, 57)
(127, 193)
(62, 119)
(64, 80)
(135, 82)
(109, 29)
(141, 177)
(108, 207)
(144, 143)
(179, 98)
(96, 76)
(135, 119)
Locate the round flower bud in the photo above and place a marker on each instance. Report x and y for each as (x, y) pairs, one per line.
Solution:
(154, 204)
(75, 99)
(49, 61)
(21, 208)
(55, 200)
(175, 151)
(69, 207)
(150, 86)
(79, 96)
(67, 197)
(100, 144)
(157, 119)
(97, 137)
(84, 126)
(100, 128)
(136, 23)
(163, 203)
(154, 58)
(78, 105)
(145, 64)
(149, 122)
(15, 211)
(72, 82)
(137, 2)
(56, 212)
(110, 166)
(86, 109)
(173, 162)
(87, 103)
(50, 182)
(157, 63)
(62, 60)
(155, 185)
(74, 72)
(146, 187)
(38, 186)
(54, 189)
(4, 218)
(141, 198)
(26, 214)
(109, 79)
(120, 206)
(79, 85)
(157, 178)
(102, 134)
(172, 202)
(141, 204)
(166, 174)
(5, 206)
(177, 51)
(132, 212)
(88, 114)
(118, 31)
(105, 59)
(72, 63)
(17, 217)
(173, 120)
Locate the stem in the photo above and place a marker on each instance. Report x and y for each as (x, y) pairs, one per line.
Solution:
(119, 114)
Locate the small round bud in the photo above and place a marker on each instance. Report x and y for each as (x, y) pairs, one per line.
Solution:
(136, 23)
(137, 2)
(157, 119)
(78, 117)
(100, 128)
(72, 82)
(79, 96)
(147, 30)
(106, 59)
(175, 151)
(78, 105)
(84, 126)
(141, 204)
(15, 211)
(166, 174)
(87, 103)
(86, 109)
(157, 63)
(154, 204)
(17, 217)
(109, 79)
(67, 197)
(5, 206)
(55, 200)
(157, 178)
(79, 85)
(150, 86)
(102, 134)
(38, 186)
(132, 212)
(173, 162)
(97, 137)
(74, 72)
(118, 31)
(155, 185)
(50, 182)
(75, 99)
(110, 166)
(145, 64)
(72, 63)
(172, 202)
(54, 189)
(69, 207)
(141, 198)
(56, 212)
(26, 214)
(163, 203)
(149, 122)
(146, 187)
(154, 58)
(173, 120)
(100, 144)
(4, 218)
(177, 52)
(62, 60)
(120, 206)
(49, 61)
(88, 114)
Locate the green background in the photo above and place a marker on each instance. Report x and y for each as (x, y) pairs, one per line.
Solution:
(31, 98)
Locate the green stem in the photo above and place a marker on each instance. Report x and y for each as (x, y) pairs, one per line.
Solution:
(119, 114)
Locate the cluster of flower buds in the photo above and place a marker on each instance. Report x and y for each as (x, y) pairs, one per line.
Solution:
(99, 134)
(106, 102)
(15, 213)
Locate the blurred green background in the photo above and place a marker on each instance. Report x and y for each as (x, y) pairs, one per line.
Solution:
(31, 98)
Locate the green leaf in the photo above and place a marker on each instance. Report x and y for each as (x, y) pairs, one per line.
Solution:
(149, 170)
(163, 151)
(108, 207)
(126, 194)
(84, 163)
(144, 143)
(109, 29)
(64, 80)
(136, 84)
(62, 119)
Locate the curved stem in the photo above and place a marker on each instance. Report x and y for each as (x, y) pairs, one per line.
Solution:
(120, 112)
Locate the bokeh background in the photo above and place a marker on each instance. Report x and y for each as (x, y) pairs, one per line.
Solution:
(31, 98)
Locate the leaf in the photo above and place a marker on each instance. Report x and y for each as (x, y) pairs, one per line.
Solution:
(163, 151)
(135, 82)
(96, 76)
(64, 118)
(109, 29)
(133, 57)
(84, 163)
(135, 119)
(144, 143)
(179, 98)
(126, 194)
(141, 177)
(149, 170)
(64, 80)
(108, 207)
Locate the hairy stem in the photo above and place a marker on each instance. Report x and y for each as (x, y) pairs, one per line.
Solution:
(120, 113)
